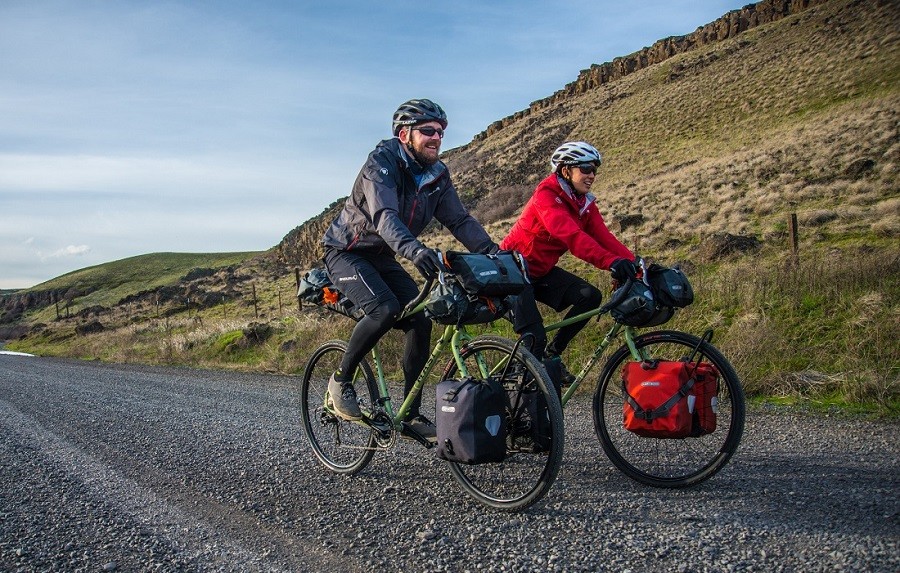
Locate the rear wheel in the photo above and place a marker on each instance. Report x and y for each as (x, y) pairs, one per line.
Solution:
(344, 447)
(671, 463)
(533, 457)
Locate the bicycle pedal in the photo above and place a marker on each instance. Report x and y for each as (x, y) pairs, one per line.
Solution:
(407, 432)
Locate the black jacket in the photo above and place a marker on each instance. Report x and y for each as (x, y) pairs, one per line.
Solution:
(387, 209)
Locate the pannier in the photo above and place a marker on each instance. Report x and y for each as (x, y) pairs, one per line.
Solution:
(449, 303)
(470, 416)
(496, 275)
(316, 287)
(669, 399)
(530, 429)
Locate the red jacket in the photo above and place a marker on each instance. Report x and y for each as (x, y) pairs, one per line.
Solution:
(552, 223)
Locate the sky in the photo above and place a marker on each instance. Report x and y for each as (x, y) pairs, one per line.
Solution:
(129, 128)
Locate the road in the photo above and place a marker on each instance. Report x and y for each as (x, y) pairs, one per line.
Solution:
(135, 468)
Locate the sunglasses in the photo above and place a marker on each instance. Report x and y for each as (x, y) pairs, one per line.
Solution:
(586, 168)
(429, 131)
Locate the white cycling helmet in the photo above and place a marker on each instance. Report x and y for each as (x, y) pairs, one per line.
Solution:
(574, 153)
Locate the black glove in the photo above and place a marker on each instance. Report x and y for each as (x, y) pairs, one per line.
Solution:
(489, 248)
(622, 270)
(428, 262)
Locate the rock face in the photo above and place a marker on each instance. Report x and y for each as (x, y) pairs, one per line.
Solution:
(728, 26)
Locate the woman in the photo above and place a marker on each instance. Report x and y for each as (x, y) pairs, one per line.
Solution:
(561, 216)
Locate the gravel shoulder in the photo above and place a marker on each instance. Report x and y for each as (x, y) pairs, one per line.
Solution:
(134, 468)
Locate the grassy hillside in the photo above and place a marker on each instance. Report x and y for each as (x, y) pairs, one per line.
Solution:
(796, 117)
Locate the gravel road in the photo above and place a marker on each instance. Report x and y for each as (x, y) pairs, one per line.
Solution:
(131, 468)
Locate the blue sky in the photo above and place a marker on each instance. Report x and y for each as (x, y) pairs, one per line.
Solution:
(129, 128)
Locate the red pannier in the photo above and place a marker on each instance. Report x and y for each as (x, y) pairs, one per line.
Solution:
(666, 399)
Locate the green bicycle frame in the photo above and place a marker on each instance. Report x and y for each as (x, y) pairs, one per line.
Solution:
(453, 337)
(601, 348)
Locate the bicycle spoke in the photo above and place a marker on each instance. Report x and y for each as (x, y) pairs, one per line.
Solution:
(668, 462)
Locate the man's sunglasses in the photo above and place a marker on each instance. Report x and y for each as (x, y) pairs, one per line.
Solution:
(429, 131)
(586, 168)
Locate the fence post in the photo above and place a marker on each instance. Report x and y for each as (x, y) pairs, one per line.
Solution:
(255, 306)
(795, 241)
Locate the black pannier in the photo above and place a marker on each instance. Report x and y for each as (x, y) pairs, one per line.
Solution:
(470, 416)
(530, 429)
(496, 275)
(316, 288)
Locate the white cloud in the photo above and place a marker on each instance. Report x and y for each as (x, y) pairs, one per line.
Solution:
(69, 251)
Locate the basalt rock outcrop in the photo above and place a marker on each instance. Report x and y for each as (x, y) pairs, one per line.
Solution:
(728, 26)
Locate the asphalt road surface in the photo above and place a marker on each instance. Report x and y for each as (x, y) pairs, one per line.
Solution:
(131, 468)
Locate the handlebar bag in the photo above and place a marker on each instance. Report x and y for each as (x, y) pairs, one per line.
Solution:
(470, 416)
(496, 275)
(670, 286)
(449, 303)
(638, 307)
(669, 399)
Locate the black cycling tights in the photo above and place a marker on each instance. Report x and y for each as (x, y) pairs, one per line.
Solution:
(583, 297)
(374, 325)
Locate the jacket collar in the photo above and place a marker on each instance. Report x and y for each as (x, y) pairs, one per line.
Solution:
(570, 195)
(422, 175)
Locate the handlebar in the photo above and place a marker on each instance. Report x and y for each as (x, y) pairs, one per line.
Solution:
(426, 289)
(622, 294)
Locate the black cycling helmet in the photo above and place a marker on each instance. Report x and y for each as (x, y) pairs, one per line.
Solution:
(418, 111)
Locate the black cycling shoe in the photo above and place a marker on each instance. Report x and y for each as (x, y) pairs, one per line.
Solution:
(423, 426)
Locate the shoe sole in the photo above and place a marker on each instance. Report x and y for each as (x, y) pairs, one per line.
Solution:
(342, 415)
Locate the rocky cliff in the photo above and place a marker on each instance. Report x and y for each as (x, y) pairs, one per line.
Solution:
(728, 26)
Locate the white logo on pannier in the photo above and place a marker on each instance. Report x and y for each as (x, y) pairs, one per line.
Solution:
(487, 273)
(448, 408)
(650, 383)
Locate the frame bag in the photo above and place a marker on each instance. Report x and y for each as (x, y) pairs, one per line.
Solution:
(470, 416)
(668, 399)
(496, 275)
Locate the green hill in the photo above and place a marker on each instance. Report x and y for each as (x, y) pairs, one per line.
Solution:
(713, 143)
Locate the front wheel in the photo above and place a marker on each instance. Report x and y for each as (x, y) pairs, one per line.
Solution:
(534, 426)
(671, 463)
(344, 447)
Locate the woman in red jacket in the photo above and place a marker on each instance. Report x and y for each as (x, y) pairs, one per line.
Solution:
(562, 216)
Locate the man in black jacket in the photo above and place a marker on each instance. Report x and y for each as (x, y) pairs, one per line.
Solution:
(402, 186)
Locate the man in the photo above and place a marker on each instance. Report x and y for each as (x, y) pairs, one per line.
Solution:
(401, 187)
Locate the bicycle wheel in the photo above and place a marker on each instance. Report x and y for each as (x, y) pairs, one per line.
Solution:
(344, 447)
(529, 469)
(670, 463)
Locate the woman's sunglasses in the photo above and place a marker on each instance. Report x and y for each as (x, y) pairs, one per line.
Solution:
(586, 168)
(429, 131)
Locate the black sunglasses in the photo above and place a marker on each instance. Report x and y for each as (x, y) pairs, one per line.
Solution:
(429, 131)
(586, 168)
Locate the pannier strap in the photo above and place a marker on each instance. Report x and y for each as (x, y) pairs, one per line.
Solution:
(663, 410)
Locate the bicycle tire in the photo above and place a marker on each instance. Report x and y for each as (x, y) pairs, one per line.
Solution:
(343, 447)
(524, 477)
(668, 463)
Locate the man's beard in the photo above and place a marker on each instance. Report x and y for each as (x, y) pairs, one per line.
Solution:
(420, 158)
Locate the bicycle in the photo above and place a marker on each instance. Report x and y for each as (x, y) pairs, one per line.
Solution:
(516, 483)
(666, 463)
